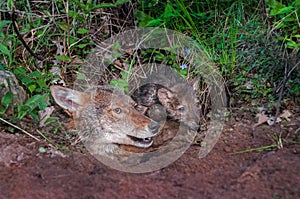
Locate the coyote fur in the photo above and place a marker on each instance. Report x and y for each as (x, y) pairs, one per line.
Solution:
(107, 117)
(180, 102)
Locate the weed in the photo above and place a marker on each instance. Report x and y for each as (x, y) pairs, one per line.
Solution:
(121, 83)
(235, 35)
(258, 149)
(287, 21)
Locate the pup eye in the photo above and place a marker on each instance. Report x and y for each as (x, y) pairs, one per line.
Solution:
(197, 104)
(181, 109)
(117, 110)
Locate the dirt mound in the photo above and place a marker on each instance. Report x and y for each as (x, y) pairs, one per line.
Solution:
(27, 173)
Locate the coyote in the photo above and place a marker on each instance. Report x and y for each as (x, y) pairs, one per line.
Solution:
(106, 117)
(180, 102)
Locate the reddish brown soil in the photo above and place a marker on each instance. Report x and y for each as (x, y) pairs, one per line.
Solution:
(27, 173)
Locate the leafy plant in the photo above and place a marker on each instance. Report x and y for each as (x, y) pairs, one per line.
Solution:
(228, 33)
(121, 83)
(6, 100)
(34, 82)
(32, 105)
(287, 21)
(4, 38)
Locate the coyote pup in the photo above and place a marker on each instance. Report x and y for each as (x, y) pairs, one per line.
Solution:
(180, 102)
(106, 117)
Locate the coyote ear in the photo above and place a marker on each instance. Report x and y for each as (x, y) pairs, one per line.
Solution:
(167, 98)
(69, 99)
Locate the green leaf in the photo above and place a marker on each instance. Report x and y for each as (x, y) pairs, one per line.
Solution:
(36, 101)
(154, 23)
(82, 45)
(124, 75)
(77, 15)
(116, 55)
(168, 12)
(51, 119)
(62, 58)
(292, 44)
(183, 72)
(103, 5)
(10, 4)
(42, 150)
(4, 50)
(20, 71)
(119, 2)
(142, 18)
(7, 52)
(284, 10)
(63, 26)
(31, 88)
(117, 46)
(120, 84)
(82, 31)
(297, 36)
(5, 101)
(108, 5)
(81, 76)
(36, 74)
(2, 24)
(27, 81)
(108, 61)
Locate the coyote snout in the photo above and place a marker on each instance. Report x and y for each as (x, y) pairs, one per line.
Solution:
(106, 116)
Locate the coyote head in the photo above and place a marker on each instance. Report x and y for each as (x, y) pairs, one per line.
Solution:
(107, 116)
(181, 103)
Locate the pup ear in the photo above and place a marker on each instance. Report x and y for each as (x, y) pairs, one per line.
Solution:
(69, 99)
(167, 98)
(165, 95)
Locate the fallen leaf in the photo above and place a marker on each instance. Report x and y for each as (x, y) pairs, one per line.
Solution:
(286, 114)
(262, 118)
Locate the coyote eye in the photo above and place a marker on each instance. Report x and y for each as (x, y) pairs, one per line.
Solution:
(197, 104)
(181, 109)
(117, 110)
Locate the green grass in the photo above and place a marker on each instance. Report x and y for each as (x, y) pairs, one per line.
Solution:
(237, 36)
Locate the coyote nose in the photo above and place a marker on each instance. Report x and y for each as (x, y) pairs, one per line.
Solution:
(153, 127)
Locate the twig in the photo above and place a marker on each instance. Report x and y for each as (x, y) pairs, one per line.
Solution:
(19, 12)
(13, 19)
(47, 139)
(287, 75)
(16, 127)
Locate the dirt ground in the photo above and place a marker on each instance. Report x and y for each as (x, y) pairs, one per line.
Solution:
(27, 173)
